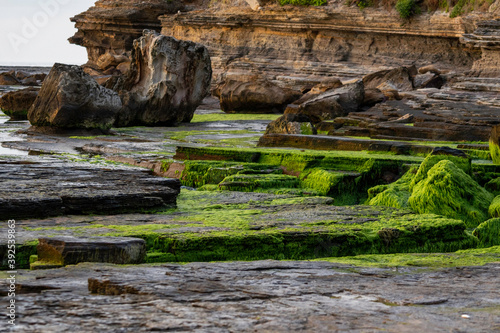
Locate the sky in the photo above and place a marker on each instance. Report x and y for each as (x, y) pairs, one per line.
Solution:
(36, 32)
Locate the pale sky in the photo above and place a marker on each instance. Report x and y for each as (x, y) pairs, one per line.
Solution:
(36, 32)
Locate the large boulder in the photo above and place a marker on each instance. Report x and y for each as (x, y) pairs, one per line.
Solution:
(167, 80)
(259, 96)
(16, 104)
(334, 103)
(71, 99)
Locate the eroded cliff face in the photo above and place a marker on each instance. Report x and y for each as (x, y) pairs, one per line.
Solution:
(297, 46)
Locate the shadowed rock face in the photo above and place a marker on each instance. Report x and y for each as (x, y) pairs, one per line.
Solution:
(70, 98)
(166, 82)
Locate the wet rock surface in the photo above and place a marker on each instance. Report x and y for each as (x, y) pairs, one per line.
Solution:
(264, 295)
(35, 189)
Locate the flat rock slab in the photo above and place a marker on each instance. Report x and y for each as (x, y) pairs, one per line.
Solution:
(262, 296)
(41, 189)
(72, 250)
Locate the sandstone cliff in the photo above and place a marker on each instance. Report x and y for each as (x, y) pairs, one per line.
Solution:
(296, 46)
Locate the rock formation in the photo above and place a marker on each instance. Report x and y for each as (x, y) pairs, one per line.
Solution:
(254, 96)
(16, 104)
(110, 28)
(72, 99)
(166, 82)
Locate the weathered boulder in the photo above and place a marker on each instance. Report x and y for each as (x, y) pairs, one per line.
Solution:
(373, 96)
(325, 85)
(71, 250)
(167, 80)
(16, 104)
(400, 78)
(259, 96)
(334, 103)
(291, 123)
(8, 79)
(428, 80)
(70, 98)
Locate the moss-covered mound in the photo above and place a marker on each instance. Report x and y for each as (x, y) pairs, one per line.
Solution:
(448, 190)
(494, 209)
(488, 233)
(441, 185)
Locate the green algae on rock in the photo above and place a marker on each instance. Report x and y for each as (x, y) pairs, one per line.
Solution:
(449, 191)
(494, 209)
(488, 233)
(469, 257)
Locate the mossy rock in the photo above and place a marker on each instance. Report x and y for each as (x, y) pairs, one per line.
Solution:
(494, 209)
(493, 186)
(393, 195)
(431, 160)
(447, 190)
(488, 233)
(494, 144)
(249, 183)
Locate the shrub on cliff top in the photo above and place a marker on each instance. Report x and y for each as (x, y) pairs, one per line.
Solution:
(303, 2)
(407, 8)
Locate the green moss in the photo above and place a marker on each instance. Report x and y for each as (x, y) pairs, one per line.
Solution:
(230, 117)
(494, 152)
(396, 196)
(431, 160)
(249, 183)
(449, 191)
(493, 186)
(471, 257)
(494, 209)
(303, 2)
(323, 181)
(407, 8)
(488, 233)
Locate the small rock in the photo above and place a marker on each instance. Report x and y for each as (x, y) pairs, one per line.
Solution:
(291, 124)
(8, 79)
(373, 96)
(16, 104)
(71, 250)
(429, 68)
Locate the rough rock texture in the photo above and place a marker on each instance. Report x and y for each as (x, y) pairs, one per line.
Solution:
(166, 82)
(400, 79)
(70, 98)
(291, 124)
(16, 104)
(111, 26)
(264, 296)
(8, 79)
(486, 38)
(71, 250)
(255, 96)
(51, 189)
(334, 103)
(293, 46)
